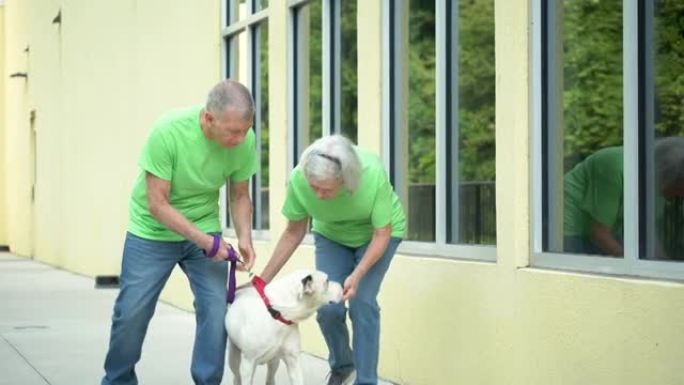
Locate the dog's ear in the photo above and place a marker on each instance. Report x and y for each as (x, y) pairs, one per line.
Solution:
(307, 284)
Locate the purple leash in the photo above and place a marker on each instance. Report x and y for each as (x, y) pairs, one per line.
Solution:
(232, 258)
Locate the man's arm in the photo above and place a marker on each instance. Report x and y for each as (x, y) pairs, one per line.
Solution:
(603, 237)
(289, 240)
(241, 213)
(158, 201)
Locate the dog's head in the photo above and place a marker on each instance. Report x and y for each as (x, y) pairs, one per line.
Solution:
(316, 289)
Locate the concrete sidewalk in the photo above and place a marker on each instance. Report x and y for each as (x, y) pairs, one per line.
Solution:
(54, 329)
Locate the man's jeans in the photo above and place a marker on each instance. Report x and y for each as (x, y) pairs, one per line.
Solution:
(338, 261)
(146, 266)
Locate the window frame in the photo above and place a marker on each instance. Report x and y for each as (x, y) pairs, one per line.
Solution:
(635, 113)
(251, 25)
(395, 100)
(331, 67)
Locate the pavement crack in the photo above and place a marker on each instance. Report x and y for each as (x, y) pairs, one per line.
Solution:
(25, 359)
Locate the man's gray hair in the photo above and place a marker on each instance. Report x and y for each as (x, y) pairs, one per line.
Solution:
(669, 161)
(230, 95)
(332, 158)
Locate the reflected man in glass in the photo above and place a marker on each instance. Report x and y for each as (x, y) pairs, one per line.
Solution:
(593, 204)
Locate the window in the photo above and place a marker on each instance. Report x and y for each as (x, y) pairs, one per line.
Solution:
(583, 132)
(439, 121)
(663, 136)
(323, 71)
(609, 144)
(246, 60)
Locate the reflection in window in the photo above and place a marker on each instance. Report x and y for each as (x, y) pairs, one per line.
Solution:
(308, 76)
(261, 4)
(473, 133)
(261, 125)
(348, 57)
(421, 121)
(247, 62)
(583, 136)
(664, 130)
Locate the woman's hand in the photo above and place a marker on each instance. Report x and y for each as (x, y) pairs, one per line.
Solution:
(350, 286)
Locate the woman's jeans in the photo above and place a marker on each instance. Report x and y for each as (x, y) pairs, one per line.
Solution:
(338, 261)
(146, 267)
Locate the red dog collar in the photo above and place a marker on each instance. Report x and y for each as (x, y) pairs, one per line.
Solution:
(260, 285)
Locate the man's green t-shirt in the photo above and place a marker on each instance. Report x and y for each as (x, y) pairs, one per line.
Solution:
(593, 191)
(347, 218)
(178, 151)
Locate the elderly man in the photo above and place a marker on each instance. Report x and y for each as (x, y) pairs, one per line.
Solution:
(593, 216)
(174, 219)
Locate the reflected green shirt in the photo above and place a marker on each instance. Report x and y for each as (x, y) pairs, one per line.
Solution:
(348, 219)
(178, 151)
(593, 190)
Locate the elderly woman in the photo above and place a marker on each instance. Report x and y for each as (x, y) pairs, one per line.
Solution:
(358, 222)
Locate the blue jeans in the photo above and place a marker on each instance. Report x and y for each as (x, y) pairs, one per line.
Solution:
(338, 261)
(145, 268)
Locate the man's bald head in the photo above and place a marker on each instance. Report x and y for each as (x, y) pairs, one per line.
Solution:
(230, 95)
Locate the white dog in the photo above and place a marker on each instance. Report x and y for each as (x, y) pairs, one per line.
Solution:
(262, 329)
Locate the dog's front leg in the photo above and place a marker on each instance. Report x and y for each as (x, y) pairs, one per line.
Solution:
(294, 368)
(272, 369)
(247, 367)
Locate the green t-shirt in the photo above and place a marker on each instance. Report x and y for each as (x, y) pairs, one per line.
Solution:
(593, 190)
(348, 219)
(178, 151)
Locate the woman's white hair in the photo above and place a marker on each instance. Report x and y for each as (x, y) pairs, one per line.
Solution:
(332, 158)
(669, 161)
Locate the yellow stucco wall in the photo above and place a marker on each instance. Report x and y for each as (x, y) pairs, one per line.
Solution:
(3, 76)
(99, 80)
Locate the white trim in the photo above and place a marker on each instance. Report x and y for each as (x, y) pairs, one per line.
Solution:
(465, 252)
(336, 76)
(241, 25)
(327, 26)
(386, 80)
(536, 98)
(441, 123)
(583, 263)
(291, 91)
(297, 3)
(630, 114)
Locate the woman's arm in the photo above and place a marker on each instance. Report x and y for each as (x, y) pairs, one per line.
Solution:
(374, 252)
(289, 240)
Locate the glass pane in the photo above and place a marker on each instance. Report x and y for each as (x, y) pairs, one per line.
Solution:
(236, 69)
(421, 121)
(261, 4)
(584, 167)
(237, 10)
(665, 123)
(476, 173)
(310, 85)
(237, 58)
(263, 124)
(348, 102)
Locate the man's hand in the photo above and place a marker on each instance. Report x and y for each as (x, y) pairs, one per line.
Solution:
(222, 253)
(248, 256)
